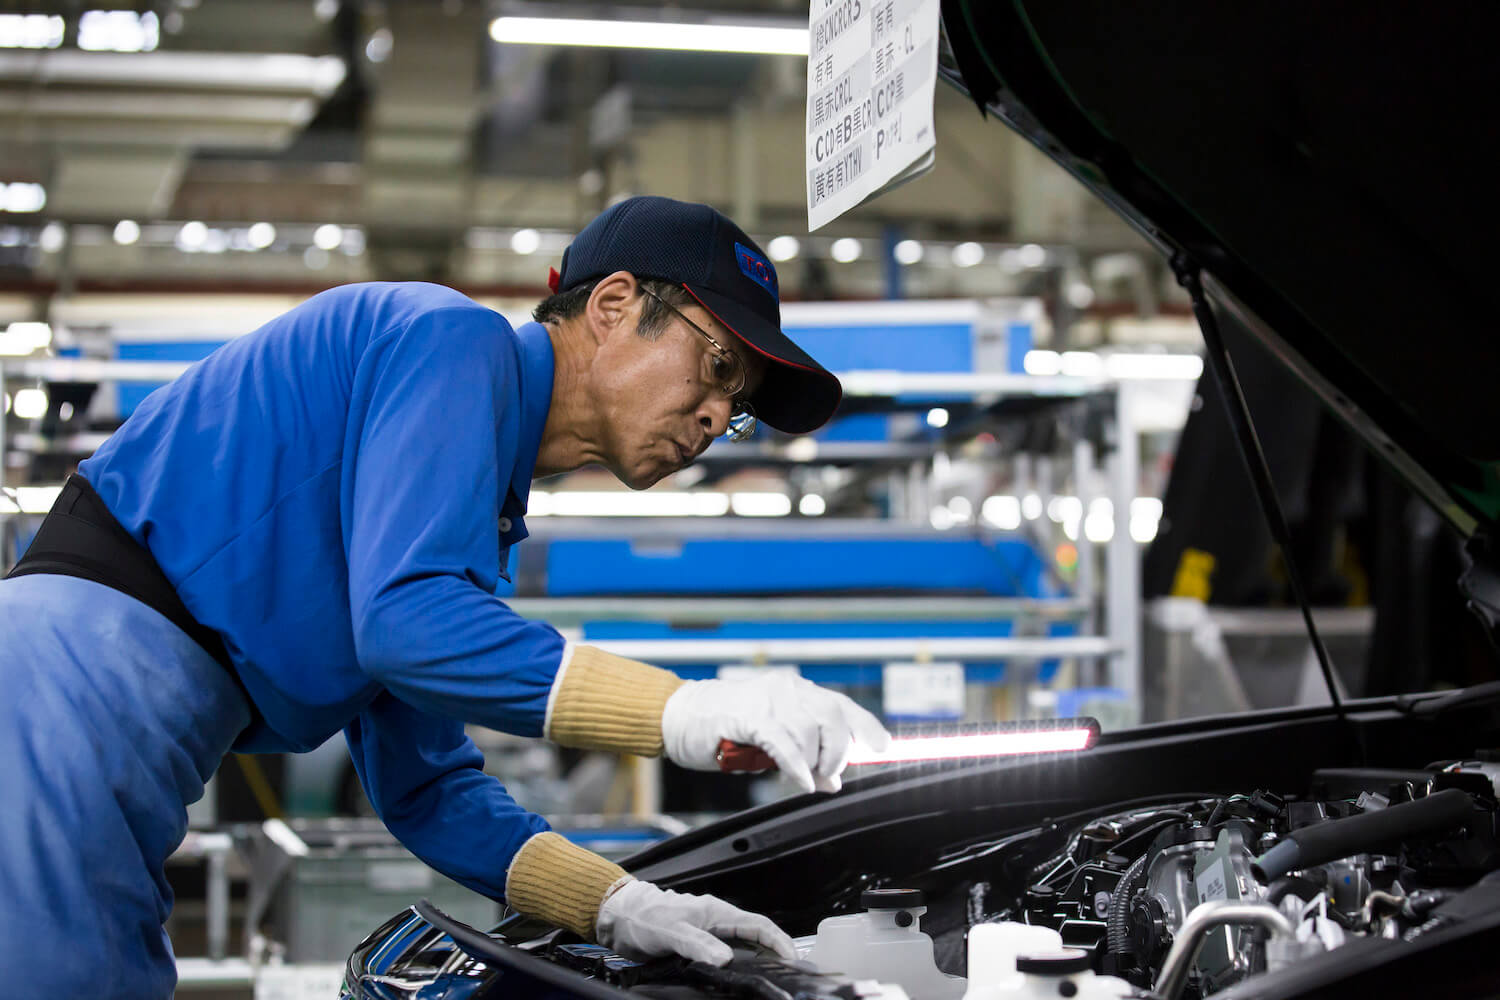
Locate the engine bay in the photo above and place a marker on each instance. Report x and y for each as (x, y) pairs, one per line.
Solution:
(1178, 897)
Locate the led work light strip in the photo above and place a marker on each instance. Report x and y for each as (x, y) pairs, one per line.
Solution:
(758, 39)
(985, 745)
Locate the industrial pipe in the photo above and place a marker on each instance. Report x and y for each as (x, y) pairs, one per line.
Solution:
(1204, 918)
(1340, 838)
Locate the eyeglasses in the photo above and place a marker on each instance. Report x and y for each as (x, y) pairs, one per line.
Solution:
(728, 376)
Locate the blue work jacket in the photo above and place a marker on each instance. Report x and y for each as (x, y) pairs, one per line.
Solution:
(336, 494)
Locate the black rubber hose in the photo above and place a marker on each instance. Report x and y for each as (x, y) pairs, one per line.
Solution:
(1303, 888)
(1339, 838)
(1119, 906)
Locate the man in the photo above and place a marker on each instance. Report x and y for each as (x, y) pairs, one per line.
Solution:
(298, 536)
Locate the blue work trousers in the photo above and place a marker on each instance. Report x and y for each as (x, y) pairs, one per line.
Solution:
(111, 721)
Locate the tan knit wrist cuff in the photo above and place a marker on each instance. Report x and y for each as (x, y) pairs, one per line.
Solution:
(607, 702)
(560, 882)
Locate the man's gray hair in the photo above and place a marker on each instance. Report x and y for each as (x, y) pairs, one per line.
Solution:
(654, 315)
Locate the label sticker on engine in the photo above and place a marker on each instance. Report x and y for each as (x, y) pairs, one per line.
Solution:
(1214, 883)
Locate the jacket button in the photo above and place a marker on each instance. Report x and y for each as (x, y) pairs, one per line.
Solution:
(505, 524)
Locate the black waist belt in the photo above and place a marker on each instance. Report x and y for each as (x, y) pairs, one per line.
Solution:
(80, 537)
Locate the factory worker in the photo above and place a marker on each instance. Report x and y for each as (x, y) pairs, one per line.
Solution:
(303, 534)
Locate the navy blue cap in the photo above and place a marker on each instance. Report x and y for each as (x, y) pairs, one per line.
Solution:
(722, 268)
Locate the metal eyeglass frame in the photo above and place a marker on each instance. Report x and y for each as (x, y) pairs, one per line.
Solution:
(742, 420)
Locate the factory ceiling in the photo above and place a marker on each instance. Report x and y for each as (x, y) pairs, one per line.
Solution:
(405, 125)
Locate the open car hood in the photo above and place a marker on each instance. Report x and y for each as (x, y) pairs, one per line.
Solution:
(1319, 164)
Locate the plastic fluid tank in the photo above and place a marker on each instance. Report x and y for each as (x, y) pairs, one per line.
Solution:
(885, 943)
(1021, 962)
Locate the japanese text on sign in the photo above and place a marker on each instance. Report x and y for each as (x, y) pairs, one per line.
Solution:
(871, 74)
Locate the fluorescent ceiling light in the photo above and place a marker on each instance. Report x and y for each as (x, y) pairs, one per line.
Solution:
(22, 197)
(761, 504)
(1003, 512)
(118, 31)
(1155, 366)
(127, 231)
(31, 31)
(54, 237)
(655, 503)
(21, 339)
(847, 250)
(328, 236)
(982, 745)
(967, 254)
(909, 252)
(784, 248)
(261, 235)
(673, 35)
(526, 241)
(30, 404)
(29, 499)
(276, 72)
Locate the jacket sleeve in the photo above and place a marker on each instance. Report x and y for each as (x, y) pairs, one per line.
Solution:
(422, 775)
(433, 456)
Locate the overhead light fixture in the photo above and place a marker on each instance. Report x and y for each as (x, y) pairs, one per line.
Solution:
(378, 48)
(127, 231)
(1042, 363)
(20, 339)
(54, 237)
(192, 236)
(31, 31)
(784, 248)
(812, 505)
(29, 499)
(760, 504)
(908, 252)
(315, 258)
(118, 31)
(601, 503)
(1080, 295)
(22, 197)
(1004, 512)
(525, 241)
(1155, 366)
(1082, 363)
(757, 39)
(1031, 255)
(30, 404)
(261, 235)
(846, 250)
(967, 254)
(328, 236)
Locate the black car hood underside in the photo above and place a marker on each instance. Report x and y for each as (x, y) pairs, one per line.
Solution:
(1321, 162)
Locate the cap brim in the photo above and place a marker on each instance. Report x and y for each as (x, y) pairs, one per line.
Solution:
(797, 395)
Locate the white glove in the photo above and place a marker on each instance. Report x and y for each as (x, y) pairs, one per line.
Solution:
(807, 730)
(639, 920)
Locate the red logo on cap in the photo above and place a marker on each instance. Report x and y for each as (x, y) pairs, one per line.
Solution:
(553, 279)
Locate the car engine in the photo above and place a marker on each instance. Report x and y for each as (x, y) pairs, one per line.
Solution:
(1178, 897)
(1373, 853)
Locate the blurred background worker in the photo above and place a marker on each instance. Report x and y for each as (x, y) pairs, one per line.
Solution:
(277, 546)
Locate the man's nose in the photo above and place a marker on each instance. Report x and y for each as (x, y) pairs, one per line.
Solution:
(713, 415)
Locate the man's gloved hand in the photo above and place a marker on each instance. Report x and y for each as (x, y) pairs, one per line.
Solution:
(805, 729)
(639, 920)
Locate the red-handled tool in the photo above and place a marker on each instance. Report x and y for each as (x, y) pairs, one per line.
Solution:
(1003, 740)
(737, 757)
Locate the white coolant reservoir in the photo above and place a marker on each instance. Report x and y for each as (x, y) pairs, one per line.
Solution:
(1021, 962)
(885, 943)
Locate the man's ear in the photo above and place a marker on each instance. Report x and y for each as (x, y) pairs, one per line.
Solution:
(614, 305)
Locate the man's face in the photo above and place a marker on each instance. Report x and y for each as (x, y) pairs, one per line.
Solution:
(661, 404)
